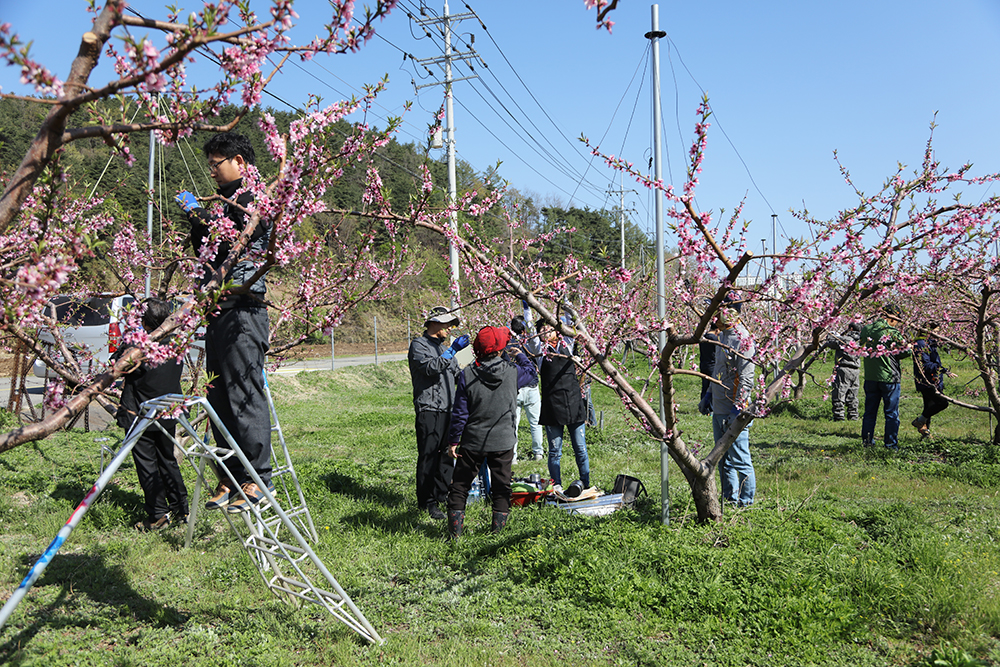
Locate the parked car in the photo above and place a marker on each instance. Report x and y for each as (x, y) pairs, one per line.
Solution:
(92, 329)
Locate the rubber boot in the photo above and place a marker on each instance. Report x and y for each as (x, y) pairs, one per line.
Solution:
(456, 521)
(499, 521)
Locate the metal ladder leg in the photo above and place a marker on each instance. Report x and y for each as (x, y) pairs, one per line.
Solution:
(270, 535)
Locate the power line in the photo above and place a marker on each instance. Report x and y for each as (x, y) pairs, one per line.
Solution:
(575, 145)
(721, 129)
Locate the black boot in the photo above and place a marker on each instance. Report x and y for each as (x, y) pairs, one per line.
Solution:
(456, 520)
(499, 521)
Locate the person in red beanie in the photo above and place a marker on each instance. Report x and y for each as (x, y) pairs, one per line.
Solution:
(482, 424)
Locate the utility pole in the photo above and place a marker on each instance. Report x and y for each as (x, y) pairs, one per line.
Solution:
(774, 276)
(763, 261)
(621, 214)
(449, 56)
(654, 36)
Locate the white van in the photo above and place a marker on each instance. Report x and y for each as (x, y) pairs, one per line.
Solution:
(91, 328)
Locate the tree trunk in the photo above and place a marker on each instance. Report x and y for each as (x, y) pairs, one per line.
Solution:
(705, 495)
(800, 386)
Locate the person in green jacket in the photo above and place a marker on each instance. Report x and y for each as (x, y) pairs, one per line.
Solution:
(883, 346)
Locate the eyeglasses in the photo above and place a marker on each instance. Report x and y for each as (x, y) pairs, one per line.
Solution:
(212, 166)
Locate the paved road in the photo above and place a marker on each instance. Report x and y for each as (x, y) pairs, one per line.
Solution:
(99, 418)
(293, 367)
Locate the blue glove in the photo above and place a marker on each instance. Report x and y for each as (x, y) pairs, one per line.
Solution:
(460, 343)
(705, 404)
(524, 305)
(186, 200)
(734, 412)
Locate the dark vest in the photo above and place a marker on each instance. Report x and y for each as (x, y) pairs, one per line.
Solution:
(562, 401)
(491, 389)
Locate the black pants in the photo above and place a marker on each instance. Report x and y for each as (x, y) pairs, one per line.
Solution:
(159, 475)
(933, 403)
(434, 468)
(467, 467)
(235, 348)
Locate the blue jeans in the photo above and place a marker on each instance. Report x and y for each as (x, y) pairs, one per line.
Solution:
(577, 436)
(739, 483)
(888, 393)
(531, 401)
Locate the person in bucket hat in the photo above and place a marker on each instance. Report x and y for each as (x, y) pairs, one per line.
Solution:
(432, 370)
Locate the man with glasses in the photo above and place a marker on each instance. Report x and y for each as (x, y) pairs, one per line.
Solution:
(884, 347)
(433, 368)
(236, 335)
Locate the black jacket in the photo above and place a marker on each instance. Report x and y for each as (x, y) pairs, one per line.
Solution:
(145, 383)
(201, 219)
(562, 397)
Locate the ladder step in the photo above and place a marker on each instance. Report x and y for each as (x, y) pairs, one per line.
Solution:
(285, 561)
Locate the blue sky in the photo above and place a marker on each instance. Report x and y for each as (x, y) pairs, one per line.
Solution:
(789, 81)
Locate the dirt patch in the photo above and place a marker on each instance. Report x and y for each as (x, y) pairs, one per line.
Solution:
(21, 499)
(7, 364)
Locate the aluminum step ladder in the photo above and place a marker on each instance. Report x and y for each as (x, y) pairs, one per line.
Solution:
(276, 533)
(283, 477)
(269, 535)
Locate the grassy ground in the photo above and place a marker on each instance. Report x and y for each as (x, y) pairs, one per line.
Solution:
(849, 556)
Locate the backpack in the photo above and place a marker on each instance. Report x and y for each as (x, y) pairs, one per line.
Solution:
(630, 488)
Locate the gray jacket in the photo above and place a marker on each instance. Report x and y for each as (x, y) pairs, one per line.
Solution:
(838, 343)
(433, 376)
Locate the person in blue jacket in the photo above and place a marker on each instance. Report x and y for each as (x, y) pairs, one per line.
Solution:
(928, 377)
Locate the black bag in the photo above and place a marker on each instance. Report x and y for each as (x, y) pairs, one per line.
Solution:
(630, 488)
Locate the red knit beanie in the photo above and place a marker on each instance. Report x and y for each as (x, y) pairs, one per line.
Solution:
(490, 340)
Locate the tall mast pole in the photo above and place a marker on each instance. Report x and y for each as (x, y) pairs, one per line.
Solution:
(621, 218)
(456, 296)
(149, 204)
(654, 35)
(449, 80)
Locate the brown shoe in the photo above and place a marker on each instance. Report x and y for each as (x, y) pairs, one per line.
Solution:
(220, 497)
(254, 498)
(147, 526)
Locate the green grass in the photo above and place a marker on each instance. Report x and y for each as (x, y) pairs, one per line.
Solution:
(849, 556)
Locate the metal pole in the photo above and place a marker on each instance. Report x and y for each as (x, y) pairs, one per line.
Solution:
(654, 36)
(774, 241)
(149, 203)
(774, 277)
(763, 252)
(621, 218)
(452, 185)
(375, 320)
(333, 352)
